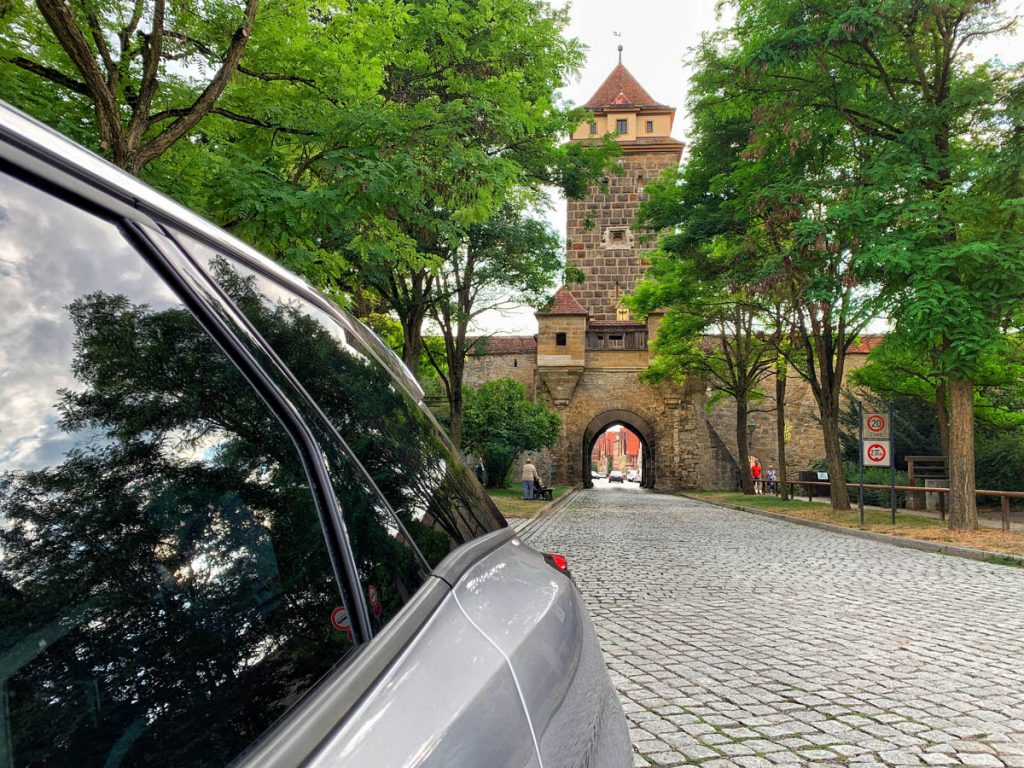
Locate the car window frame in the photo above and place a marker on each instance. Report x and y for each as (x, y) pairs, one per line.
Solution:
(299, 389)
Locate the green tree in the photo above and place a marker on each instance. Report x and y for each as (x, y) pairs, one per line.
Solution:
(707, 332)
(764, 216)
(508, 258)
(500, 423)
(473, 124)
(938, 150)
(122, 63)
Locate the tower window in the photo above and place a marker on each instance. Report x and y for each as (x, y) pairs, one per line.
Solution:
(617, 237)
(650, 126)
(620, 126)
(593, 129)
(559, 339)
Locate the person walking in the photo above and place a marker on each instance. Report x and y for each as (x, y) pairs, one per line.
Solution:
(755, 473)
(773, 481)
(480, 471)
(530, 475)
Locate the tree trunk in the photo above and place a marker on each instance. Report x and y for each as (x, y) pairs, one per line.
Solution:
(742, 448)
(455, 369)
(942, 417)
(828, 409)
(780, 424)
(412, 340)
(963, 508)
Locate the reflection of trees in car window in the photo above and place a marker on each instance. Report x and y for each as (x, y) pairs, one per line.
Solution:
(387, 431)
(165, 592)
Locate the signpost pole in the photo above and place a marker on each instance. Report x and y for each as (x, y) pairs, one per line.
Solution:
(860, 462)
(892, 466)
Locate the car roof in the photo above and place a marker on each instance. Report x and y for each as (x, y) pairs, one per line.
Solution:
(42, 141)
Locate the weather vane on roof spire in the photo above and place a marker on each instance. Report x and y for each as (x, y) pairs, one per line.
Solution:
(619, 35)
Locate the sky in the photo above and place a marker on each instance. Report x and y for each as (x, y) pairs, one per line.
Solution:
(656, 36)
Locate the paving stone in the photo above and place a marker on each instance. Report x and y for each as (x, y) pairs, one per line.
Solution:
(809, 641)
(980, 760)
(937, 758)
(666, 758)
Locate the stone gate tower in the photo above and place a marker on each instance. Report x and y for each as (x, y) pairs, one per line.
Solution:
(587, 356)
(589, 350)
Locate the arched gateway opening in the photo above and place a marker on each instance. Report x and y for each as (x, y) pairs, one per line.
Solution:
(634, 423)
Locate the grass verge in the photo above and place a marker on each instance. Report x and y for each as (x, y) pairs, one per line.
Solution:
(511, 504)
(908, 525)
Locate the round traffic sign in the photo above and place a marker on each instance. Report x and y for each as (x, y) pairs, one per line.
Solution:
(876, 452)
(876, 422)
(339, 618)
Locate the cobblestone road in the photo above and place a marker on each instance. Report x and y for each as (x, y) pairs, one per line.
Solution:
(736, 640)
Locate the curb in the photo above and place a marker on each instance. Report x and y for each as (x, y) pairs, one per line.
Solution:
(968, 553)
(545, 513)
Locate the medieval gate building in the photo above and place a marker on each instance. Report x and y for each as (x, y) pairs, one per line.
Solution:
(588, 353)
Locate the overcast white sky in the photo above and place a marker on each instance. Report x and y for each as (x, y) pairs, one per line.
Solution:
(656, 36)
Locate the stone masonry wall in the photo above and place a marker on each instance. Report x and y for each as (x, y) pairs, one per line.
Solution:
(681, 443)
(520, 367)
(804, 445)
(612, 267)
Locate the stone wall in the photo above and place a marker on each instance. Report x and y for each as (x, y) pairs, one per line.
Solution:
(804, 446)
(694, 448)
(520, 367)
(601, 240)
(679, 437)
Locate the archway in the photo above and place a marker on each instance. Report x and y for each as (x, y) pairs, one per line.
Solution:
(637, 425)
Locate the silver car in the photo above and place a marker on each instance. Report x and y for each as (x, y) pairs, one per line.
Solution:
(230, 530)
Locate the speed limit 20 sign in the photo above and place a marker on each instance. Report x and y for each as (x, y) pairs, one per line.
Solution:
(876, 426)
(877, 453)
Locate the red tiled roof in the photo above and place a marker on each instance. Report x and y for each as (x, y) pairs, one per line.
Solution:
(620, 87)
(505, 345)
(565, 304)
(866, 343)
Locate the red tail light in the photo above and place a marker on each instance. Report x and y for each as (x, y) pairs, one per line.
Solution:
(557, 561)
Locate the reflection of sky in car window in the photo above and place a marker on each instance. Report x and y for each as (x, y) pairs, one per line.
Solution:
(41, 273)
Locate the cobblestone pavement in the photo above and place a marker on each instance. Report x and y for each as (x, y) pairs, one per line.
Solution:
(736, 640)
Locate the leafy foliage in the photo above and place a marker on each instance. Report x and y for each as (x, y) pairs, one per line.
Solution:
(500, 423)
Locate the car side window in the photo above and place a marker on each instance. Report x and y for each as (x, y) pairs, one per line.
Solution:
(166, 592)
(422, 479)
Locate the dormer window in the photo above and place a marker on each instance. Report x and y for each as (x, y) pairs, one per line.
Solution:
(560, 339)
(620, 126)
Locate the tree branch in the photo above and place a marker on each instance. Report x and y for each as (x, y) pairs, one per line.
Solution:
(202, 106)
(167, 114)
(50, 74)
(64, 27)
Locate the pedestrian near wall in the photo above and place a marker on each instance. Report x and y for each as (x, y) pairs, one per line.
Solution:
(530, 475)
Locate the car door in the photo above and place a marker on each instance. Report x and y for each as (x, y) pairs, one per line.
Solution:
(447, 696)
